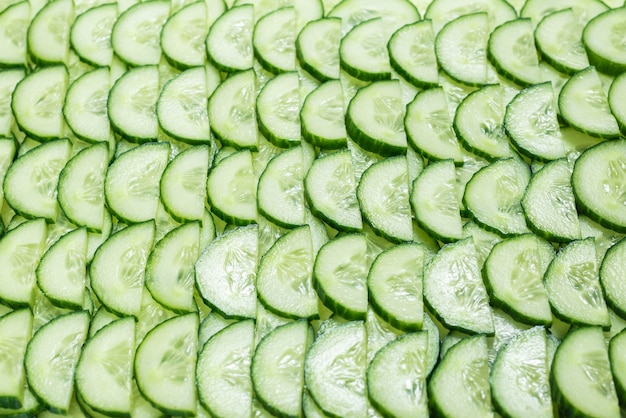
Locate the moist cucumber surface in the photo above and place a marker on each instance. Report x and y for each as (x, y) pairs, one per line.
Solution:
(301, 208)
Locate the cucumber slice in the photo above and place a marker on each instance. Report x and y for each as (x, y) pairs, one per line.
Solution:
(428, 127)
(48, 33)
(16, 18)
(181, 108)
(617, 89)
(85, 106)
(165, 365)
(601, 39)
(454, 291)
(459, 386)
(229, 41)
(461, 49)
(90, 34)
(396, 377)
(132, 102)
(223, 371)
(584, 105)
(169, 275)
(330, 191)
(278, 110)
(273, 40)
(340, 276)
(374, 118)
(611, 273)
(80, 190)
(531, 123)
(62, 270)
(284, 278)
(225, 273)
(280, 193)
(549, 204)
(106, 361)
(232, 189)
(37, 103)
(435, 202)
(513, 275)
(278, 384)
(131, 186)
(183, 35)
(493, 196)
(558, 37)
(479, 123)
(334, 370)
(135, 36)
(383, 195)
(30, 184)
(580, 376)
(16, 328)
(412, 54)
(520, 376)
(117, 268)
(232, 112)
(183, 184)
(394, 285)
(363, 51)
(513, 53)
(51, 357)
(597, 183)
(317, 48)
(573, 286)
(322, 116)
